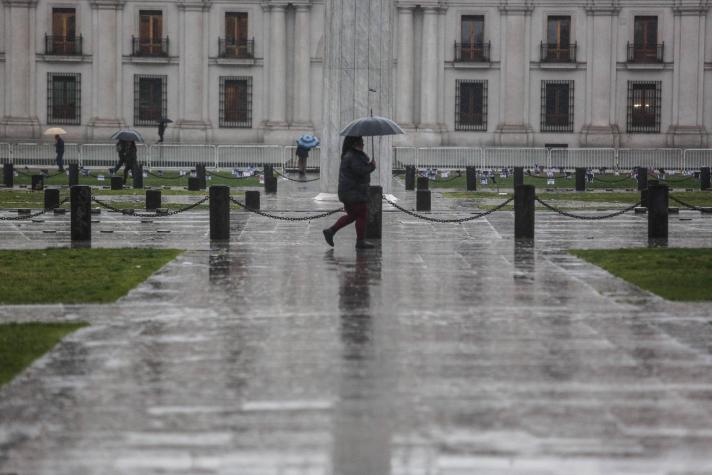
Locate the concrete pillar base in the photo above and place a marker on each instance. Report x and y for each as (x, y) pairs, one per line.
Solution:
(20, 127)
(686, 136)
(103, 129)
(518, 135)
(600, 136)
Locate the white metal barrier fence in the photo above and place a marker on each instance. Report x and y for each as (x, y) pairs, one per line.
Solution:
(582, 158)
(503, 157)
(182, 156)
(243, 156)
(404, 156)
(696, 158)
(290, 157)
(105, 155)
(4, 153)
(448, 157)
(43, 155)
(667, 158)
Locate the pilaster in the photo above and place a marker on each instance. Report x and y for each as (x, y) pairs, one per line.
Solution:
(404, 71)
(302, 67)
(428, 127)
(277, 90)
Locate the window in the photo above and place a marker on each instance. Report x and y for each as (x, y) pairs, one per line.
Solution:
(557, 106)
(472, 36)
(235, 101)
(236, 44)
(64, 98)
(64, 34)
(645, 48)
(471, 105)
(149, 99)
(558, 47)
(150, 40)
(644, 104)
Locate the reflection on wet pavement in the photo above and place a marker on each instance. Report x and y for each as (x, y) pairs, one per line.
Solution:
(450, 349)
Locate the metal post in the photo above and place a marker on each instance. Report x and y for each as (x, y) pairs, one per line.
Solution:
(81, 213)
(252, 199)
(193, 183)
(51, 198)
(580, 179)
(422, 200)
(518, 176)
(219, 212)
(117, 183)
(705, 178)
(138, 177)
(37, 182)
(73, 174)
(471, 178)
(642, 178)
(657, 212)
(153, 199)
(524, 212)
(270, 180)
(410, 177)
(423, 183)
(644, 198)
(374, 223)
(8, 173)
(200, 174)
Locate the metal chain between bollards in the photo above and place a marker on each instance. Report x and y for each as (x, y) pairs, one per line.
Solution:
(586, 218)
(292, 179)
(131, 212)
(679, 180)
(456, 220)
(621, 180)
(34, 215)
(560, 177)
(231, 177)
(446, 180)
(161, 177)
(284, 218)
(687, 205)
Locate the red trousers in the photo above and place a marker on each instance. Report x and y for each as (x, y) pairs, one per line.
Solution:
(355, 212)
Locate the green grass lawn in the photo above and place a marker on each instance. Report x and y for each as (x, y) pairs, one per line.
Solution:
(697, 198)
(76, 275)
(621, 182)
(675, 274)
(23, 343)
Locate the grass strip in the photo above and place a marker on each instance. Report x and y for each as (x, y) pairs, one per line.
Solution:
(23, 343)
(170, 178)
(675, 274)
(42, 276)
(697, 198)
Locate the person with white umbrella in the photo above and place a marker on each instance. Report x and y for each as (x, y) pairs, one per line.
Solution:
(58, 145)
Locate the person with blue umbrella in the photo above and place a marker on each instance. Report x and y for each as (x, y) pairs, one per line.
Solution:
(304, 144)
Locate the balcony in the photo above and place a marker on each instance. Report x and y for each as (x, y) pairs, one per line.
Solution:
(236, 48)
(472, 52)
(149, 47)
(63, 45)
(557, 53)
(645, 54)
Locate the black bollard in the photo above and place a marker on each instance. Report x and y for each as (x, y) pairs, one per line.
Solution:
(657, 212)
(524, 212)
(374, 223)
(642, 178)
(270, 183)
(51, 198)
(153, 199)
(580, 179)
(117, 183)
(8, 173)
(269, 170)
(518, 176)
(193, 183)
(705, 178)
(423, 183)
(410, 177)
(81, 213)
(200, 174)
(219, 213)
(73, 174)
(471, 178)
(422, 200)
(138, 177)
(37, 182)
(644, 198)
(252, 199)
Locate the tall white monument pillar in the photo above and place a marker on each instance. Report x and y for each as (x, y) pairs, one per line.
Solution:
(302, 67)
(405, 72)
(20, 118)
(357, 80)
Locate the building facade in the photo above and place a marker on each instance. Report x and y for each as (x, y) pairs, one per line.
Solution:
(579, 73)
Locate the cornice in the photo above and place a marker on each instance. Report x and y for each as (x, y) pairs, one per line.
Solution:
(107, 4)
(603, 7)
(20, 3)
(690, 7)
(195, 6)
(516, 7)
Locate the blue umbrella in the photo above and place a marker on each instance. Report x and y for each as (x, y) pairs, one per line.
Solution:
(130, 135)
(307, 141)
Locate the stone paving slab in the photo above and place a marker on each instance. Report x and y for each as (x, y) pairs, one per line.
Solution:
(450, 349)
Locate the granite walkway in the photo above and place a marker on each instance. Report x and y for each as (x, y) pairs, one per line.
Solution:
(448, 350)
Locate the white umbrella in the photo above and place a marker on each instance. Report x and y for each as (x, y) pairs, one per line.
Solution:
(55, 131)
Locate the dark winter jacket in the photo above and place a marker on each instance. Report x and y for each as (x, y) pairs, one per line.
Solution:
(354, 177)
(131, 157)
(59, 146)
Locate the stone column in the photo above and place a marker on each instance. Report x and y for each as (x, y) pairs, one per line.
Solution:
(192, 124)
(429, 70)
(357, 80)
(405, 72)
(277, 91)
(514, 128)
(687, 129)
(302, 67)
(600, 129)
(20, 120)
(106, 73)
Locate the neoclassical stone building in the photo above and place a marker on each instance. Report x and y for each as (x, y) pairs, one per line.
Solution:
(629, 73)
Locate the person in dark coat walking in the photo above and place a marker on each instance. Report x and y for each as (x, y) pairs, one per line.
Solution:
(354, 178)
(302, 154)
(131, 161)
(121, 149)
(59, 150)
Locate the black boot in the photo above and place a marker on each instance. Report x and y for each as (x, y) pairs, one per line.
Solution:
(363, 244)
(329, 236)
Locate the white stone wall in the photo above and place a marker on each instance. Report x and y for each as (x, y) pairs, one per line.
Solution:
(288, 68)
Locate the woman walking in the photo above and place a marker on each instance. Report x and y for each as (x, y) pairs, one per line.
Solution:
(354, 178)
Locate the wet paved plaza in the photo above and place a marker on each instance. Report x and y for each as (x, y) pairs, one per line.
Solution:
(447, 350)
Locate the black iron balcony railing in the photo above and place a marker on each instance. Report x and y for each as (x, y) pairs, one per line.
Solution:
(153, 47)
(236, 48)
(557, 53)
(472, 52)
(63, 45)
(645, 54)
